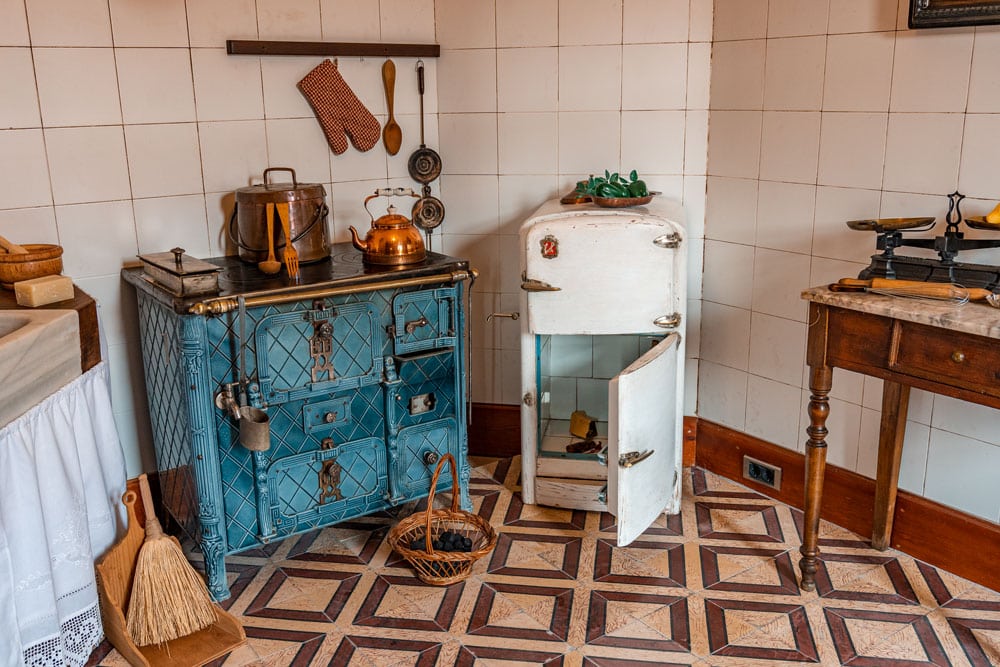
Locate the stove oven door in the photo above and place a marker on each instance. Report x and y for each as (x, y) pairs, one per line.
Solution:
(644, 440)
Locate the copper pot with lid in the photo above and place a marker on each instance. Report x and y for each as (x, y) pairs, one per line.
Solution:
(307, 212)
(392, 239)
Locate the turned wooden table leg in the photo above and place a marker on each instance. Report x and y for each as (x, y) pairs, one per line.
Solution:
(895, 401)
(820, 381)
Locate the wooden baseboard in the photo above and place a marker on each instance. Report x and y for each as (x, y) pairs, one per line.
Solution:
(944, 537)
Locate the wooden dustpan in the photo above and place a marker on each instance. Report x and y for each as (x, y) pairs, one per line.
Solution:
(115, 572)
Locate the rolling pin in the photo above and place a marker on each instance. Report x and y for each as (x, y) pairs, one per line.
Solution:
(916, 288)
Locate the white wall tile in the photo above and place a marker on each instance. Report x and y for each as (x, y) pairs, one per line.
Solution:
(984, 85)
(980, 147)
(590, 22)
(167, 97)
(527, 22)
(731, 209)
(740, 19)
(702, 17)
(77, 87)
(117, 309)
(694, 201)
(282, 97)
(299, 143)
(159, 222)
(407, 21)
(793, 76)
(698, 75)
(24, 170)
(734, 143)
(472, 204)
(785, 216)
(163, 159)
(722, 394)
(232, 154)
(80, 224)
(467, 81)
(728, 276)
(364, 77)
(852, 148)
(350, 20)
(226, 87)
(482, 251)
(13, 24)
(347, 209)
(289, 19)
(773, 411)
(961, 473)
(588, 157)
(528, 79)
(858, 72)
(655, 21)
(911, 138)
(17, 79)
(738, 75)
(847, 385)
(862, 16)
(696, 143)
(590, 78)
(778, 280)
(519, 197)
(790, 18)
(725, 335)
(653, 141)
(465, 25)
(777, 348)
(61, 23)
(87, 164)
(790, 146)
(528, 143)
(968, 419)
(931, 61)
(661, 87)
(831, 236)
(138, 23)
(693, 331)
(29, 225)
(212, 22)
(844, 424)
(353, 165)
(470, 142)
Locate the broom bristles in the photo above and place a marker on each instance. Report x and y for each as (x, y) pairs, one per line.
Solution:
(169, 599)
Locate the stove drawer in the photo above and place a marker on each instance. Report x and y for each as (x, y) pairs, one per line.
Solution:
(933, 353)
(424, 320)
(419, 450)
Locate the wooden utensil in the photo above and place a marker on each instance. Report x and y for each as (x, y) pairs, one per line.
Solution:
(12, 247)
(392, 134)
(291, 256)
(269, 265)
(917, 289)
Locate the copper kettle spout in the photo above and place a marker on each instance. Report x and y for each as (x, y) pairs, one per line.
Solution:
(356, 240)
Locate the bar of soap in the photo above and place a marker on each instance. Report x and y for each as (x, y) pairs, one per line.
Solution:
(43, 291)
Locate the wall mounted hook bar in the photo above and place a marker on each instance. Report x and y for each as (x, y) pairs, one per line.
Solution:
(245, 47)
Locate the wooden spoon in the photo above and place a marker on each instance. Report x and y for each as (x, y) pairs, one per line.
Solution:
(392, 134)
(12, 247)
(270, 265)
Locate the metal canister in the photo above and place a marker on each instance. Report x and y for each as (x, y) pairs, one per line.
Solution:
(307, 211)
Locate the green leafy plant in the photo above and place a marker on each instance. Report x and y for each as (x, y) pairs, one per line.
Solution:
(613, 185)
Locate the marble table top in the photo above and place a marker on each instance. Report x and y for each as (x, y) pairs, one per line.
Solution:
(974, 317)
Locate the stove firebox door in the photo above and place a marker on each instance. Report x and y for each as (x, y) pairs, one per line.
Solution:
(644, 440)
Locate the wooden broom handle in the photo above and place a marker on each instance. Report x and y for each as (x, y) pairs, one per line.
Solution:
(153, 528)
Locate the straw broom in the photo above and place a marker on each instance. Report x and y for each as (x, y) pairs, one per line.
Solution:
(169, 599)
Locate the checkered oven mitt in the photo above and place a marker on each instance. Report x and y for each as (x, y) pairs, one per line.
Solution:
(338, 109)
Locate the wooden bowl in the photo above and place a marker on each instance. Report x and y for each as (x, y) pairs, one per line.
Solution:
(42, 259)
(623, 202)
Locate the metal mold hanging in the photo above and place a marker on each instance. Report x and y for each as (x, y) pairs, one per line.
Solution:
(307, 212)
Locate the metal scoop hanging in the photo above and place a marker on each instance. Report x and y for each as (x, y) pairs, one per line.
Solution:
(425, 166)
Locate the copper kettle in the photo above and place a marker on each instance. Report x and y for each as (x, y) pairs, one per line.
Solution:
(392, 240)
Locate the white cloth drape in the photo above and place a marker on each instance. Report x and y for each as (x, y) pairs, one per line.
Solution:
(62, 475)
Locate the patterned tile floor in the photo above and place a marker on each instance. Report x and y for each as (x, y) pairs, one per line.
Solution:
(713, 586)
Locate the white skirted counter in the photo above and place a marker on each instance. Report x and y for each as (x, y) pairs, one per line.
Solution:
(62, 475)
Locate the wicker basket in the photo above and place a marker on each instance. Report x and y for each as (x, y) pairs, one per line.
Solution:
(441, 568)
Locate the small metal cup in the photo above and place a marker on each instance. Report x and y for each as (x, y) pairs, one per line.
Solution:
(255, 429)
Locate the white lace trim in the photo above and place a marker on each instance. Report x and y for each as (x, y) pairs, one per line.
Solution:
(78, 638)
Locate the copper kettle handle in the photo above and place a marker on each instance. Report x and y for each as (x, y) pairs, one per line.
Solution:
(295, 182)
(389, 192)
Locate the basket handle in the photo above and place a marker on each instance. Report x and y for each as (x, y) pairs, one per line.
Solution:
(450, 460)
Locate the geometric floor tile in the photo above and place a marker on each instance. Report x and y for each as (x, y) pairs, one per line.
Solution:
(876, 638)
(738, 522)
(760, 630)
(640, 564)
(514, 611)
(638, 621)
(748, 570)
(715, 585)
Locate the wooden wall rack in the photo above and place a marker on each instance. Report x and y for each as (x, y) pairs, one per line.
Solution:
(246, 47)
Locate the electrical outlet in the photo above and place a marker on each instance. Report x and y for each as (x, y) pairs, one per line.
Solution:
(762, 473)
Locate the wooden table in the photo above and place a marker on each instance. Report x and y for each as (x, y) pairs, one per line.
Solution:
(939, 347)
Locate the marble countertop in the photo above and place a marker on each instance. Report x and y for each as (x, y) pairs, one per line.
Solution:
(974, 317)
